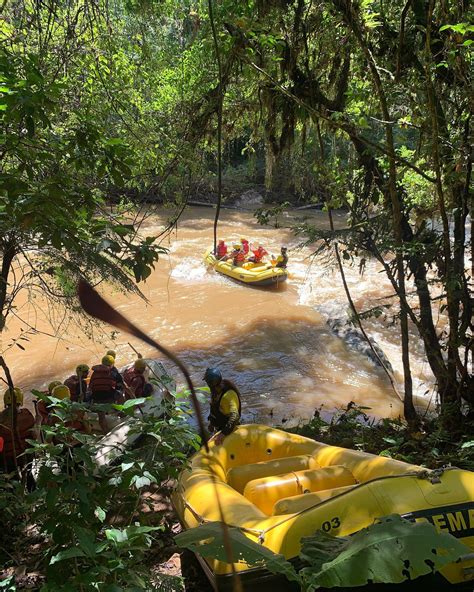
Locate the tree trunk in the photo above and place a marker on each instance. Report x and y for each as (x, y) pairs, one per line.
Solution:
(8, 251)
(397, 218)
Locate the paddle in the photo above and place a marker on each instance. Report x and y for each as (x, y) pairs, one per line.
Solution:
(94, 305)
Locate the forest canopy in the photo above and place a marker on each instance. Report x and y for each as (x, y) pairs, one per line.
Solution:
(363, 105)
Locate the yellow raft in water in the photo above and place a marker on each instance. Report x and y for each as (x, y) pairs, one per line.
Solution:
(255, 274)
(279, 487)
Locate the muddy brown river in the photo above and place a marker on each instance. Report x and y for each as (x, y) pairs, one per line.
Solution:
(275, 343)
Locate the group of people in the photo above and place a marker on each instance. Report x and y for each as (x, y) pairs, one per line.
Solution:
(101, 384)
(241, 251)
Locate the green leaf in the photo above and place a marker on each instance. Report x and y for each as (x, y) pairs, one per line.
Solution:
(127, 466)
(140, 481)
(134, 403)
(86, 540)
(461, 28)
(390, 551)
(116, 535)
(67, 554)
(469, 444)
(100, 513)
(208, 541)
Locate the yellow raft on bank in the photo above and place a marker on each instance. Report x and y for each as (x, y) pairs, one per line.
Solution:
(279, 487)
(255, 274)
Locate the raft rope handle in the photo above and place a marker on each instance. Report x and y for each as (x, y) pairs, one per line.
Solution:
(432, 475)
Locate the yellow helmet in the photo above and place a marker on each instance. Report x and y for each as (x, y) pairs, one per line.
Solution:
(51, 385)
(139, 364)
(7, 397)
(111, 353)
(82, 369)
(61, 392)
(237, 246)
(108, 361)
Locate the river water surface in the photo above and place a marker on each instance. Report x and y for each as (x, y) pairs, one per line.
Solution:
(274, 342)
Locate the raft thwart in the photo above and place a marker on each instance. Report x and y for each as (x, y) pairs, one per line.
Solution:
(279, 487)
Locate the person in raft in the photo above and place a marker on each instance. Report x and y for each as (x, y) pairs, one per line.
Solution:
(119, 384)
(15, 444)
(102, 386)
(282, 259)
(221, 250)
(77, 384)
(226, 406)
(75, 420)
(135, 381)
(41, 406)
(258, 254)
(245, 245)
(237, 255)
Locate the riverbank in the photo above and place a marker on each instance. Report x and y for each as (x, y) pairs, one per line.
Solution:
(141, 504)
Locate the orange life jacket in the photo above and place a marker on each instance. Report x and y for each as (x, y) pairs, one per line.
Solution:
(101, 379)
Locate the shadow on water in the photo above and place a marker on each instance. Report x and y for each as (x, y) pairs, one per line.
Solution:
(288, 368)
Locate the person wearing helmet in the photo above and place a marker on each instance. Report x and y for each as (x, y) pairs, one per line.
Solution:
(42, 413)
(221, 251)
(77, 384)
(16, 426)
(237, 255)
(245, 246)
(75, 418)
(282, 259)
(226, 406)
(119, 384)
(134, 378)
(51, 386)
(102, 386)
(61, 392)
(258, 254)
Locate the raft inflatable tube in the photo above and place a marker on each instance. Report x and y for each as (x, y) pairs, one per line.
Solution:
(279, 487)
(254, 274)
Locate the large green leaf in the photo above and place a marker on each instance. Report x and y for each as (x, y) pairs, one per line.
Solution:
(208, 541)
(391, 551)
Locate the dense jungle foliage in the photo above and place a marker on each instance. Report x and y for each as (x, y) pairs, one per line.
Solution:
(107, 106)
(361, 105)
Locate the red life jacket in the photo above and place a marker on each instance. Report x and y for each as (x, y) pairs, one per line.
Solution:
(73, 385)
(239, 257)
(101, 379)
(15, 442)
(259, 254)
(221, 251)
(245, 246)
(135, 381)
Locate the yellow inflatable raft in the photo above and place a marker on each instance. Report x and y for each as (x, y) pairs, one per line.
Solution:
(279, 487)
(255, 274)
